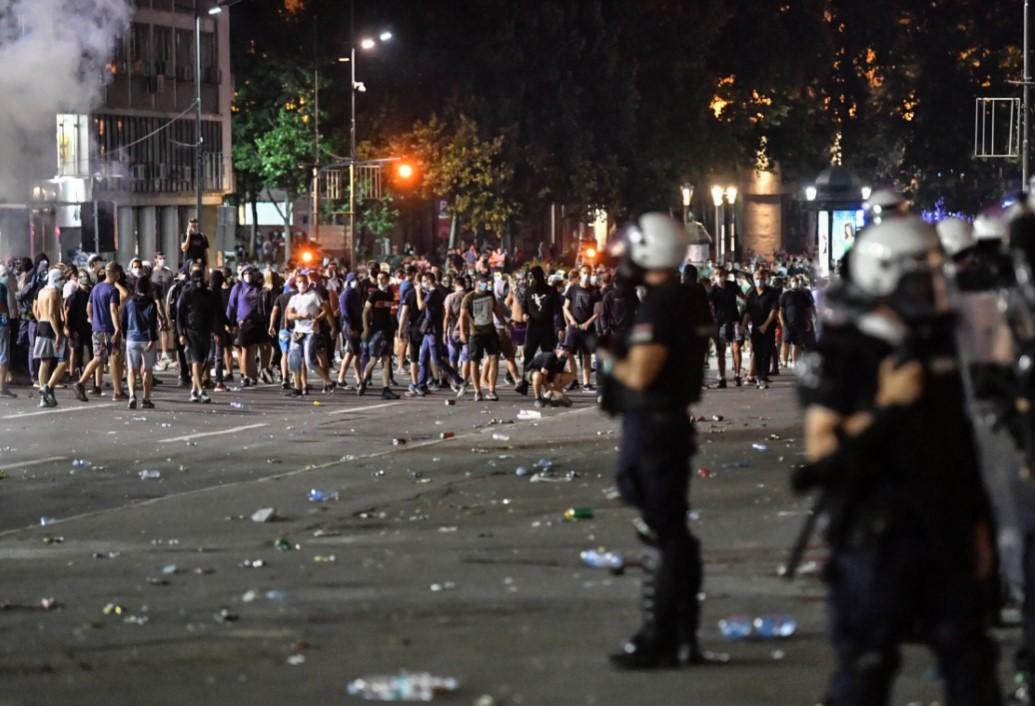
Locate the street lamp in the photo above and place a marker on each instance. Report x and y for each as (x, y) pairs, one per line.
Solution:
(810, 193)
(731, 199)
(367, 43)
(687, 191)
(720, 224)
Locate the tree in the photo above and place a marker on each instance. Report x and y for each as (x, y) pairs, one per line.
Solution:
(285, 152)
(468, 171)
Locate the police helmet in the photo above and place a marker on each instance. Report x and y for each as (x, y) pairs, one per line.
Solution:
(990, 225)
(898, 263)
(956, 234)
(653, 242)
(883, 203)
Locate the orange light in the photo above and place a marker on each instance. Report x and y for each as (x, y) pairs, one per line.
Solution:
(405, 171)
(591, 253)
(307, 256)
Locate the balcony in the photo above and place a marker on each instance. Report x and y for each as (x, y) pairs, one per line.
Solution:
(163, 178)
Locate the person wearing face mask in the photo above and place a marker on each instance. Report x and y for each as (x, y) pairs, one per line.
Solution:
(281, 329)
(378, 330)
(161, 280)
(458, 358)
(306, 310)
(431, 307)
(197, 317)
(51, 344)
(580, 313)
(104, 314)
(140, 322)
(242, 310)
(78, 322)
(136, 270)
(478, 332)
(723, 299)
(797, 313)
(760, 312)
(350, 312)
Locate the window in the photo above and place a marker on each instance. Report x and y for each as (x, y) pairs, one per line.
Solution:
(72, 146)
(140, 49)
(184, 55)
(163, 51)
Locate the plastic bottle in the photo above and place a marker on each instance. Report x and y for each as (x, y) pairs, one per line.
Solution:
(81, 464)
(735, 627)
(402, 687)
(44, 521)
(149, 475)
(578, 513)
(237, 405)
(760, 446)
(769, 627)
(322, 496)
(602, 559)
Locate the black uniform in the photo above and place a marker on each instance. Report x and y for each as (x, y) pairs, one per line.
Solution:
(197, 315)
(757, 309)
(617, 312)
(904, 500)
(658, 440)
(542, 304)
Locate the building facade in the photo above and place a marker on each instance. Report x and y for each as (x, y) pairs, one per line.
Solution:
(134, 155)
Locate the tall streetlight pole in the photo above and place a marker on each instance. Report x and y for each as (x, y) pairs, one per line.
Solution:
(199, 185)
(1025, 107)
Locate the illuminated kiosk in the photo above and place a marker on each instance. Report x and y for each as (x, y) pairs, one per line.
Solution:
(834, 207)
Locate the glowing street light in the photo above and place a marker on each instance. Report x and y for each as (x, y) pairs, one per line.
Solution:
(385, 36)
(367, 43)
(810, 193)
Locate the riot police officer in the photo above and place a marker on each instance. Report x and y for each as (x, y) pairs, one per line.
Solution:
(651, 376)
(890, 444)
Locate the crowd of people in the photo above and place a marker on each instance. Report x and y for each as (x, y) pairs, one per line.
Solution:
(427, 327)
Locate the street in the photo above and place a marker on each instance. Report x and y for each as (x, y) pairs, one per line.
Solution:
(437, 557)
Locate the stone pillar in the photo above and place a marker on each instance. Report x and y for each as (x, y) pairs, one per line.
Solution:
(147, 228)
(760, 228)
(126, 247)
(170, 232)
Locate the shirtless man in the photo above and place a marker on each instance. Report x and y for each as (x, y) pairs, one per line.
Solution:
(51, 343)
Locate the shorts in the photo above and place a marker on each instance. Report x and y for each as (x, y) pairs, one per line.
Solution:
(483, 344)
(578, 341)
(250, 333)
(284, 340)
(304, 346)
(102, 346)
(49, 348)
(798, 336)
(198, 348)
(517, 334)
(138, 357)
(353, 344)
(416, 339)
(549, 362)
(378, 345)
(731, 332)
(5, 344)
(506, 343)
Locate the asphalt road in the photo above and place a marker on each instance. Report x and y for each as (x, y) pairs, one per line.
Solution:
(444, 559)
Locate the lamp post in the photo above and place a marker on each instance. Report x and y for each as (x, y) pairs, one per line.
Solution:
(366, 43)
(687, 192)
(720, 225)
(721, 198)
(731, 200)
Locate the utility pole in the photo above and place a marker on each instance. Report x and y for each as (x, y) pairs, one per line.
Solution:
(350, 238)
(314, 198)
(1025, 106)
(199, 184)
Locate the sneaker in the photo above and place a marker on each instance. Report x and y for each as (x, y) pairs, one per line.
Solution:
(8, 394)
(461, 390)
(293, 392)
(285, 385)
(195, 396)
(121, 397)
(763, 384)
(540, 403)
(588, 388)
(387, 394)
(220, 387)
(491, 396)
(246, 382)
(97, 391)
(572, 386)
(80, 392)
(266, 376)
(147, 404)
(329, 388)
(722, 384)
(737, 381)
(362, 389)
(509, 378)
(412, 391)
(521, 388)
(346, 387)
(205, 399)
(132, 403)
(162, 365)
(478, 397)
(44, 402)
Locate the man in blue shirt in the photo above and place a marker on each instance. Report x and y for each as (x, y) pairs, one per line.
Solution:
(103, 312)
(350, 309)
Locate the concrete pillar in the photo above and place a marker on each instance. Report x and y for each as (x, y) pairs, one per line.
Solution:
(147, 228)
(126, 221)
(169, 228)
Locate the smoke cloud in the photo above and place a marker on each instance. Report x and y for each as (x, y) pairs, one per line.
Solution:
(52, 60)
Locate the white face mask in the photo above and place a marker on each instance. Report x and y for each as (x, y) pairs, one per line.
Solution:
(159, 263)
(136, 271)
(759, 283)
(584, 279)
(247, 279)
(353, 284)
(383, 287)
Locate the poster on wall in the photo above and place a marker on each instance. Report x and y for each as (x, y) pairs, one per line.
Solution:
(846, 225)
